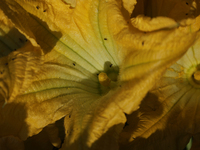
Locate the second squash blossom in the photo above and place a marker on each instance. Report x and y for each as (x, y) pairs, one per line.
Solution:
(186, 71)
(170, 109)
(193, 75)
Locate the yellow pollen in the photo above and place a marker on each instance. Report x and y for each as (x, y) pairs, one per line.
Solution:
(197, 75)
(104, 79)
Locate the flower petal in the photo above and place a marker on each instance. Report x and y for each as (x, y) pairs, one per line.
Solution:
(46, 139)
(91, 39)
(94, 123)
(148, 24)
(17, 70)
(10, 38)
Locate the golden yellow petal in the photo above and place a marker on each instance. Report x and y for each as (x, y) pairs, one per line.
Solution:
(10, 38)
(102, 122)
(17, 70)
(150, 24)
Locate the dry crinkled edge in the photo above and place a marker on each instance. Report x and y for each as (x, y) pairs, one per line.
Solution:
(149, 24)
(72, 3)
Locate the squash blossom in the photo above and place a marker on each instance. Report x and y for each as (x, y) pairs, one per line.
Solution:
(89, 61)
(169, 116)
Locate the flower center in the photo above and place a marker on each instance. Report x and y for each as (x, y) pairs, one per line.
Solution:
(107, 81)
(104, 79)
(194, 76)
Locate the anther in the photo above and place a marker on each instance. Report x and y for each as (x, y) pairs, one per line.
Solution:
(104, 79)
(197, 75)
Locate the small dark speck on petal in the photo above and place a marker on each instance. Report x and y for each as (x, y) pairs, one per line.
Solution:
(37, 7)
(21, 40)
(186, 14)
(142, 42)
(186, 3)
(14, 49)
(97, 74)
(6, 64)
(111, 65)
(1, 72)
(44, 10)
(69, 116)
(13, 58)
(74, 64)
(26, 40)
(105, 39)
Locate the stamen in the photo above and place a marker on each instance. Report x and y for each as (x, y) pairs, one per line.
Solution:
(104, 79)
(197, 75)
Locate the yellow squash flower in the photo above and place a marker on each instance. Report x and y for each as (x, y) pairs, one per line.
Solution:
(85, 60)
(169, 116)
